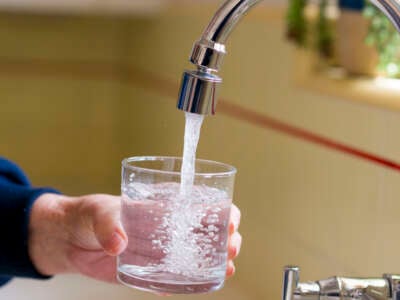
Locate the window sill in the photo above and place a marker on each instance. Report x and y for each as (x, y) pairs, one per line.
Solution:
(380, 92)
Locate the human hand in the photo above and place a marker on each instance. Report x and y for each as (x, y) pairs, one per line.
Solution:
(235, 239)
(84, 234)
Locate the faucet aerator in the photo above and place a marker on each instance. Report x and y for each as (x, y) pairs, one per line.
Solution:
(198, 93)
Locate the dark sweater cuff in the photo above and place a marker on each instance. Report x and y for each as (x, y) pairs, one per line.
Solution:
(16, 199)
(14, 222)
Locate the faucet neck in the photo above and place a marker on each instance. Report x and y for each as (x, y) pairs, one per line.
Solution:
(209, 50)
(391, 8)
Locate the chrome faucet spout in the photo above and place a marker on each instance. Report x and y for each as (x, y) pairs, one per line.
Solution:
(198, 93)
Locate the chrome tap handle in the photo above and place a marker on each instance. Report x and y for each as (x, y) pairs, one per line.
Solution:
(394, 284)
(293, 290)
(290, 282)
(344, 288)
(340, 288)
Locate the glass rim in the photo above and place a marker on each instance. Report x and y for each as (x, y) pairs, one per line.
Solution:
(231, 170)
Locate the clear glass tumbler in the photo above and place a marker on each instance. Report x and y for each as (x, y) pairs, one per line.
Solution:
(177, 242)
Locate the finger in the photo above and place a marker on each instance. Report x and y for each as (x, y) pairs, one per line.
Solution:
(230, 270)
(235, 243)
(234, 219)
(114, 242)
(105, 211)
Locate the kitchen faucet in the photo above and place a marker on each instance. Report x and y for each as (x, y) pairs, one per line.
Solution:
(339, 288)
(198, 93)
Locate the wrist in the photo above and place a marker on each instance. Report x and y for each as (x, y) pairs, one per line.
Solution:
(47, 242)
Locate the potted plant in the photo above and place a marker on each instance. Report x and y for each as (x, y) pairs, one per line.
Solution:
(296, 27)
(354, 55)
(310, 24)
(384, 37)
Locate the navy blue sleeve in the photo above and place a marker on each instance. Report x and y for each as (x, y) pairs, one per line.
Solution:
(16, 199)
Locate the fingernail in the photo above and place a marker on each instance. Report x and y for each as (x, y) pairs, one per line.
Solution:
(234, 252)
(116, 243)
(230, 270)
(231, 228)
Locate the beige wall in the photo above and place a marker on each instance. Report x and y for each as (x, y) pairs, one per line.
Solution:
(77, 96)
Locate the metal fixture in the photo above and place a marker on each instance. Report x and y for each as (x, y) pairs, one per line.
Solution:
(340, 288)
(198, 92)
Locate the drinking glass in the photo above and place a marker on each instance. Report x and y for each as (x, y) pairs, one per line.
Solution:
(177, 238)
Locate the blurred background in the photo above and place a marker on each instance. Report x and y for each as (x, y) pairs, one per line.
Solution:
(311, 123)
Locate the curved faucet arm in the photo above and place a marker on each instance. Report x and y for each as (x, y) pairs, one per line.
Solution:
(391, 8)
(226, 19)
(209, 50)
(231, 11)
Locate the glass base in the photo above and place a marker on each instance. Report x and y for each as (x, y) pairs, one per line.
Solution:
(169, 288)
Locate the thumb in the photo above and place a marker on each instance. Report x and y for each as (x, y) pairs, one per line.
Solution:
(107, 226)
